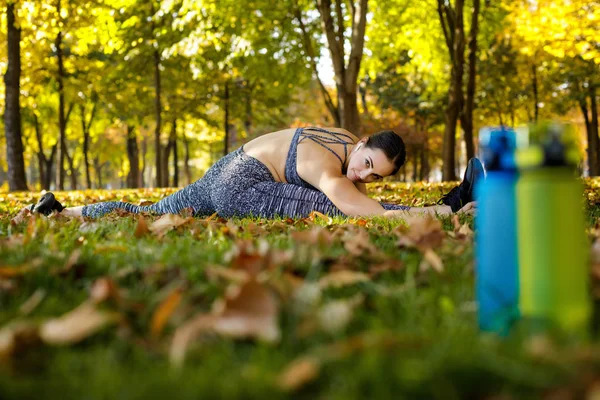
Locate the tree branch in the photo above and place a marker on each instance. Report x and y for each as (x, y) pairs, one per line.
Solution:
(337, 52)
(358, 41)
(333, 109)
(441, 13)
(340, 23)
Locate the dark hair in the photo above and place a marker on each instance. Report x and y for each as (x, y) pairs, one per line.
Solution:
(391, 144)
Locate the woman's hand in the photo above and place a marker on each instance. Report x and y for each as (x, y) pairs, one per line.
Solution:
(469, 208)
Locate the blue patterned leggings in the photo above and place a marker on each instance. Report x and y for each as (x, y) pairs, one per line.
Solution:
(236, 185)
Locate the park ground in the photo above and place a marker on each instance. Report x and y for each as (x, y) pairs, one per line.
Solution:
(139, 307)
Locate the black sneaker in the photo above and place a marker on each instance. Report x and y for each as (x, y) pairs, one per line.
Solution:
(47, 204)
(462, 194)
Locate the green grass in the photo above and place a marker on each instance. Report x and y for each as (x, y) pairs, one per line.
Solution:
(413, 333)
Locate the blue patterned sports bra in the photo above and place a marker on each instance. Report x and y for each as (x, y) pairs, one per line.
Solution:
(291, 173)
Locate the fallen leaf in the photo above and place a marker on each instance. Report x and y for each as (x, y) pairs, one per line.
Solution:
(299, 372)
(71, 263)
(77, 325)
(421, 233)
(387, 265)
(166, 223)
(228, 274)
(104, 289)
(17, 336)
(21, 216)
(335, 316)
(342, 278)
(164, 312)
(358, 242)
(431, 259)
(315, 235)
(32, 302)
(315, 215)
(14, 271)
(250, 312)
(141, 228)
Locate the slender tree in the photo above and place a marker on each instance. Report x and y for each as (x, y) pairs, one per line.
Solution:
(12, 113)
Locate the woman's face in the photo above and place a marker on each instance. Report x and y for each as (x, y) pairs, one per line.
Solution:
(368, 164)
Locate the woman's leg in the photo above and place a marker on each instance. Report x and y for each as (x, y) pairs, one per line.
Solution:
(196, 196)
(268, 199)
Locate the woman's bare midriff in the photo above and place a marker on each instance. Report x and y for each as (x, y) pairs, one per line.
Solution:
(272, 150)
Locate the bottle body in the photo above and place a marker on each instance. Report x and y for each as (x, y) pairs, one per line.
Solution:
(497, 272)
(553, 250)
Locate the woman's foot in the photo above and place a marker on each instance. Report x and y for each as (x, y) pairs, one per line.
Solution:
(463, 194)
(47, 204)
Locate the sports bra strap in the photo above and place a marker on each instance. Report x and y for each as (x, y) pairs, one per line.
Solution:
(324, 141)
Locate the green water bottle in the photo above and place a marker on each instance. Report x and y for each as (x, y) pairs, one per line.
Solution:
(553, 248)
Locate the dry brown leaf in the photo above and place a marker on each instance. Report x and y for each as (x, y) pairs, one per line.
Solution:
(314, 215)
(387, 265)
(315, 235)
(164, 312)
(105, 289)
(12, 241)
(461, 231)
(167, 222)
(422, 233)
(76, 325)
(21, 216)
(141, 228)
(249, 312)
(299, 372)
(342, 278)
(431, 259)
(15, 271)
(465, 231)
(228, 274)
(357, 242)
(71, 263)
(17, 336)
(32, 302)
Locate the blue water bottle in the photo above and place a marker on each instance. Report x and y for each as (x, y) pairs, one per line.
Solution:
(497, 271)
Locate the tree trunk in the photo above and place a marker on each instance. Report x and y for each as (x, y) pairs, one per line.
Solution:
(186, 161)
(85, 126)
(310, 52)
(425, 159)
(535, 92)
(453, 29)
(98, 168)
(346, 75)
(175, 155)
(594, 130)
(591, 153)
(72, 170)
(415, 171)
(12, 112)
(158, 109)
(362, 89)
(143, 169)
(466, 117)
(248, 117)
(226, 124)
(167, 153)
(133, 177)
(62, 125)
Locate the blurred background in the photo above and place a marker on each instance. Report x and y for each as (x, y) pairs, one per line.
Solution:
(149, 93)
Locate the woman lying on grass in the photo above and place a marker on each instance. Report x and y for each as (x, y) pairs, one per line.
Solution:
(291, 173)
